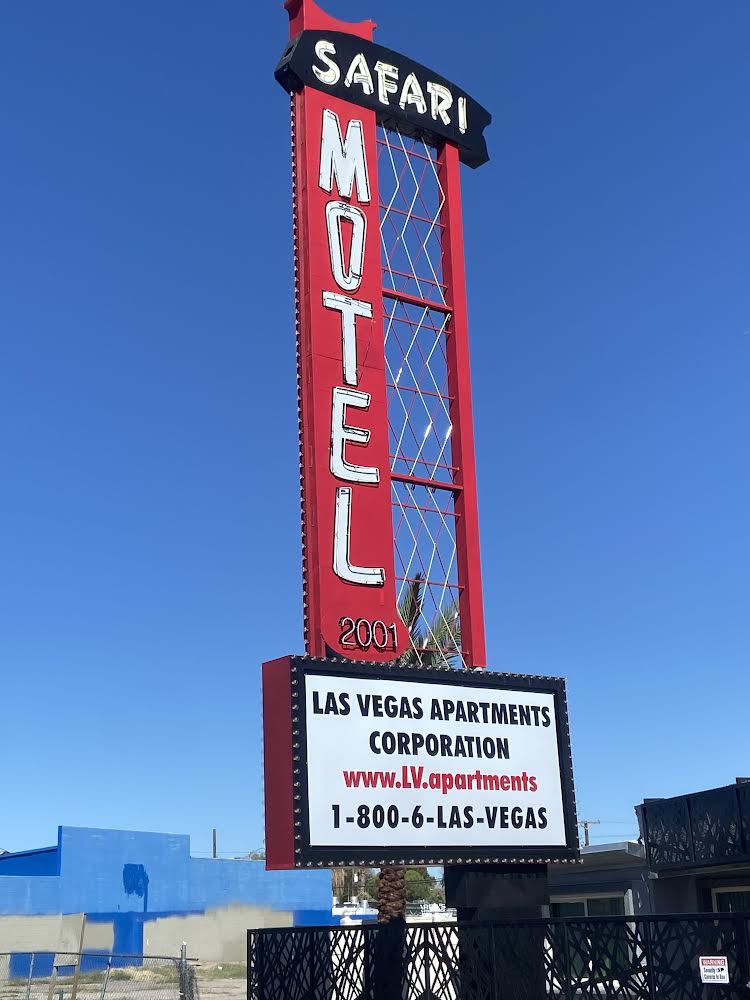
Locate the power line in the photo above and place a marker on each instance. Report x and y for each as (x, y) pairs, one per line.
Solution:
(624, 836)
(586, 823)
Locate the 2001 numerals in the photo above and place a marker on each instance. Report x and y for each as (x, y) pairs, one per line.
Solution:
(359, 633)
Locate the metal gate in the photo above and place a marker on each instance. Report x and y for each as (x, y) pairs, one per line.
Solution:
(628, 958)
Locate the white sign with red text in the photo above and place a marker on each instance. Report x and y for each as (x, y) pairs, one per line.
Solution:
(401, 763)
(714, 968)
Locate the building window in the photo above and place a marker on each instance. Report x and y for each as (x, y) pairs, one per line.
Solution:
(588, 906)
(592, 958)
(733, 899)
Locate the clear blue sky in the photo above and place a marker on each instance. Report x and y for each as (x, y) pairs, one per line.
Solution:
(149, 539)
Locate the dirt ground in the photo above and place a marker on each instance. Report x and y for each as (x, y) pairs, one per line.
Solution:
(215, 982)
(221, 989)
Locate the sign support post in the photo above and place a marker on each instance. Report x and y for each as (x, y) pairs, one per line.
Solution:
(384, 745)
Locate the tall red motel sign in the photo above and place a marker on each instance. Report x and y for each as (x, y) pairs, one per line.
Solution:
(391, 566)
(379, 258)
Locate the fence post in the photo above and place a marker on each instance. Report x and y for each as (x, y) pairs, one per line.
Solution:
(566, 962)
(311, 994)
(183, 973)
(77, 974)
(650, 970)
(106, 978)
(366, 934)
(426, 961)
(260, 965)
(52, 979)
(31, 974)
(740, 936)
(493, 953)
(252, 963)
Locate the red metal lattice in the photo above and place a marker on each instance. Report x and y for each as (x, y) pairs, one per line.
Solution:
(431, 544)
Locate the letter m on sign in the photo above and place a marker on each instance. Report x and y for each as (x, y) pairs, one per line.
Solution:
(389, 510)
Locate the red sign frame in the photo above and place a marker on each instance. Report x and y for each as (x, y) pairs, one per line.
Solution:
(350, 598)
(288, 801)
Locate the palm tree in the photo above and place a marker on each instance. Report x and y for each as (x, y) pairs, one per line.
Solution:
(438, 646)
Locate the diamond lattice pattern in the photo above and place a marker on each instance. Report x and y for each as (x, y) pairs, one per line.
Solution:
(411, 201)
(418, 411)
(416, 320)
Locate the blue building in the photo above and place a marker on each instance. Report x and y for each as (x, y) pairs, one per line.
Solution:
(144, 893)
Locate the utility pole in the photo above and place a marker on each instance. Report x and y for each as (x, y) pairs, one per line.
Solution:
(338, 884)
(586, 823)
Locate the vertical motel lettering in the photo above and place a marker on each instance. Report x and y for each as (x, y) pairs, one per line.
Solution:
(343, 164)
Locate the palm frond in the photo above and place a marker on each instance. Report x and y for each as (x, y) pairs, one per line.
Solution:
(410, 610)
(410, 605)
(444, 636)
(440, 642)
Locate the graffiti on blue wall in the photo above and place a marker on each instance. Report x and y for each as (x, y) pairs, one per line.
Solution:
(135, 882)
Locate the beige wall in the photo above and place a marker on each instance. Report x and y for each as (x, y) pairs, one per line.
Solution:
(218, 935)
(56, 932)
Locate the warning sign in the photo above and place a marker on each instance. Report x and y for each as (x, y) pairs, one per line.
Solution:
(714, 969)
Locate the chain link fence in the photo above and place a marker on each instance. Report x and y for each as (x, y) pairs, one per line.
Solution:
(41, 975)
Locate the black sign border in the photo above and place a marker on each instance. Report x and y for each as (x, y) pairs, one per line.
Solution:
(306, 856)
(294, 71)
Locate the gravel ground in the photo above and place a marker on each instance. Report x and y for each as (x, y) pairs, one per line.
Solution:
(208, 989)
(222, 989)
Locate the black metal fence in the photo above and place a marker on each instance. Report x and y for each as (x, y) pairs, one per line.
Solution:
(706, 828)
(627, 958)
